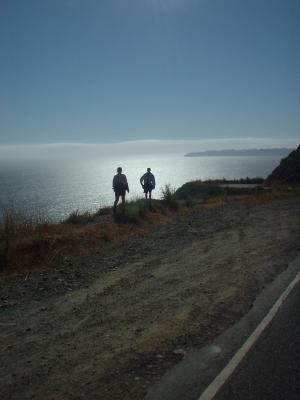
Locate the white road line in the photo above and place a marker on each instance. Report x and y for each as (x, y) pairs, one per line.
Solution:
(218, 382)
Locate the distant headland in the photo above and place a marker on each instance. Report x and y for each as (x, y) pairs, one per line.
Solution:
(245, 152)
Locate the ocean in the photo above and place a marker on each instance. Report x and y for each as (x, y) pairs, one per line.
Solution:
(55, 188)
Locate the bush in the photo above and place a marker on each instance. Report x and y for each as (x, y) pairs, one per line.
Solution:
(198, 189)
(169, 197)
(76, 218)
(136, 210)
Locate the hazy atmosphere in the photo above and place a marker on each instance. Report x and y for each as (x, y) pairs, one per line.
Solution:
(149, 199)
(114, 70)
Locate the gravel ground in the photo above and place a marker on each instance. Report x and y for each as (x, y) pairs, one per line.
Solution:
(109, 325)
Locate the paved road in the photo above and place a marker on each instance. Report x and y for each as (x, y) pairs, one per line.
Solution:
(271, 371)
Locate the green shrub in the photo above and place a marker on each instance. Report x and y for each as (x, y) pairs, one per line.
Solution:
(198, 189)
(169, 197)
(76, 218)
(136, 210)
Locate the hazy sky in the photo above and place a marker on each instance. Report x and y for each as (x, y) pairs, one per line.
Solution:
(101, 71)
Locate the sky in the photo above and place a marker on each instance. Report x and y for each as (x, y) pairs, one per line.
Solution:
(109, 71)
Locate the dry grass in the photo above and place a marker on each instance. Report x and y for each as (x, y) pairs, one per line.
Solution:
(32, 241)
(27, 242)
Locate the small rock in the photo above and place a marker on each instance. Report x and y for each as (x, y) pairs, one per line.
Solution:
(179, 353)
(159, 356)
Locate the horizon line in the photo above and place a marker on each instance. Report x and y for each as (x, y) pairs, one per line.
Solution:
(152, 141)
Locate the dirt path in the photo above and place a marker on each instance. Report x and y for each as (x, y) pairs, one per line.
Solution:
(107, 326)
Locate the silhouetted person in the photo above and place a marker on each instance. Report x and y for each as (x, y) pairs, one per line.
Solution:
(148, 183)
(120, 186)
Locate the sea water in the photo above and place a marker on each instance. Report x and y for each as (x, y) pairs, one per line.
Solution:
(57, 187)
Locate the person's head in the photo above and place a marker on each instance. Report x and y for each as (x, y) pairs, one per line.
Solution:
(148, 169)
(119, 170)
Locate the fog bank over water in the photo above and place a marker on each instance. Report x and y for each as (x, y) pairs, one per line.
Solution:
(140, 147)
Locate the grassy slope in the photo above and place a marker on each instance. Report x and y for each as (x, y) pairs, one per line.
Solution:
(30, 242)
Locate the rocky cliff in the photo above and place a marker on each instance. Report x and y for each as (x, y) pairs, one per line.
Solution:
(288, 171)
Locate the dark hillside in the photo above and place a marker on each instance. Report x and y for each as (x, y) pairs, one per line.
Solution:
(288, 171)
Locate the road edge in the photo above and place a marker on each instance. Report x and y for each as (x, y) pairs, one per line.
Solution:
(220, 379)
(190, 378)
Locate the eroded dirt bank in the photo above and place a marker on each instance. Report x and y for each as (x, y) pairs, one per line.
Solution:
(106, 327)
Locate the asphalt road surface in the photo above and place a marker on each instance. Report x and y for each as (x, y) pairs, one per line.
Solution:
(271, 370)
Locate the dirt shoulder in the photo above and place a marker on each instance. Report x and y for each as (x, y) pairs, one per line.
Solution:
(107, 326)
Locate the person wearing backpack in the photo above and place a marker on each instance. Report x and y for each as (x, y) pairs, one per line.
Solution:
(148, 183)
(120, 186)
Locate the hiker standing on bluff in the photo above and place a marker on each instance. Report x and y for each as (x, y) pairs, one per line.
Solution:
(148, 183)
(120, 186)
